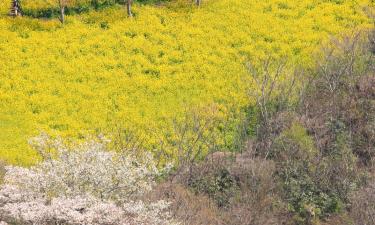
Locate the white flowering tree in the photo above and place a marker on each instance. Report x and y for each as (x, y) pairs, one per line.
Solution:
(86, 184)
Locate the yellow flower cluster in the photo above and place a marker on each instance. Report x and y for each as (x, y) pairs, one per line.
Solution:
(102, 68)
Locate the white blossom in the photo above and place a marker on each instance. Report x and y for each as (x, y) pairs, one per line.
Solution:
(84, 185)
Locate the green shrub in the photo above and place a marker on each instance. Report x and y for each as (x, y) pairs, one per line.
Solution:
(314, 185)
(317, 157)
(218, 184)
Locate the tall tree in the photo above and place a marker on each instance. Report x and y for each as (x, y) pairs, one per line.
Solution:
(198, 2)
(15, 9)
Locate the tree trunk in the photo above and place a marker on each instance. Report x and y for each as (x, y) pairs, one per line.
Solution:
(129, 8)
(15, 9)
(62, 14)
(62, 4)
(198, 2)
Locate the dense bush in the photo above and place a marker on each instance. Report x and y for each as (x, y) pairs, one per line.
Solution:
(218, 184)
(321, 136)
(363, 208)
(239, 189)
(338, 105)
(315, 185)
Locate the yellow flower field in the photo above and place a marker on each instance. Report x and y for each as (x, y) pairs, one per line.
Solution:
(103, 69)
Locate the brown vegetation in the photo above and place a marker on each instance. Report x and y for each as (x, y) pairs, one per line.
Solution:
(310, 158)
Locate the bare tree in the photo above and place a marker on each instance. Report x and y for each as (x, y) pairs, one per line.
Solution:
(15, 9)
(274, 87)
(129, 7)
(62, 6)
(194, 137)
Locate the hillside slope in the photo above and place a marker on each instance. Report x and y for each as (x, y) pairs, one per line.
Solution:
(102, 68)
